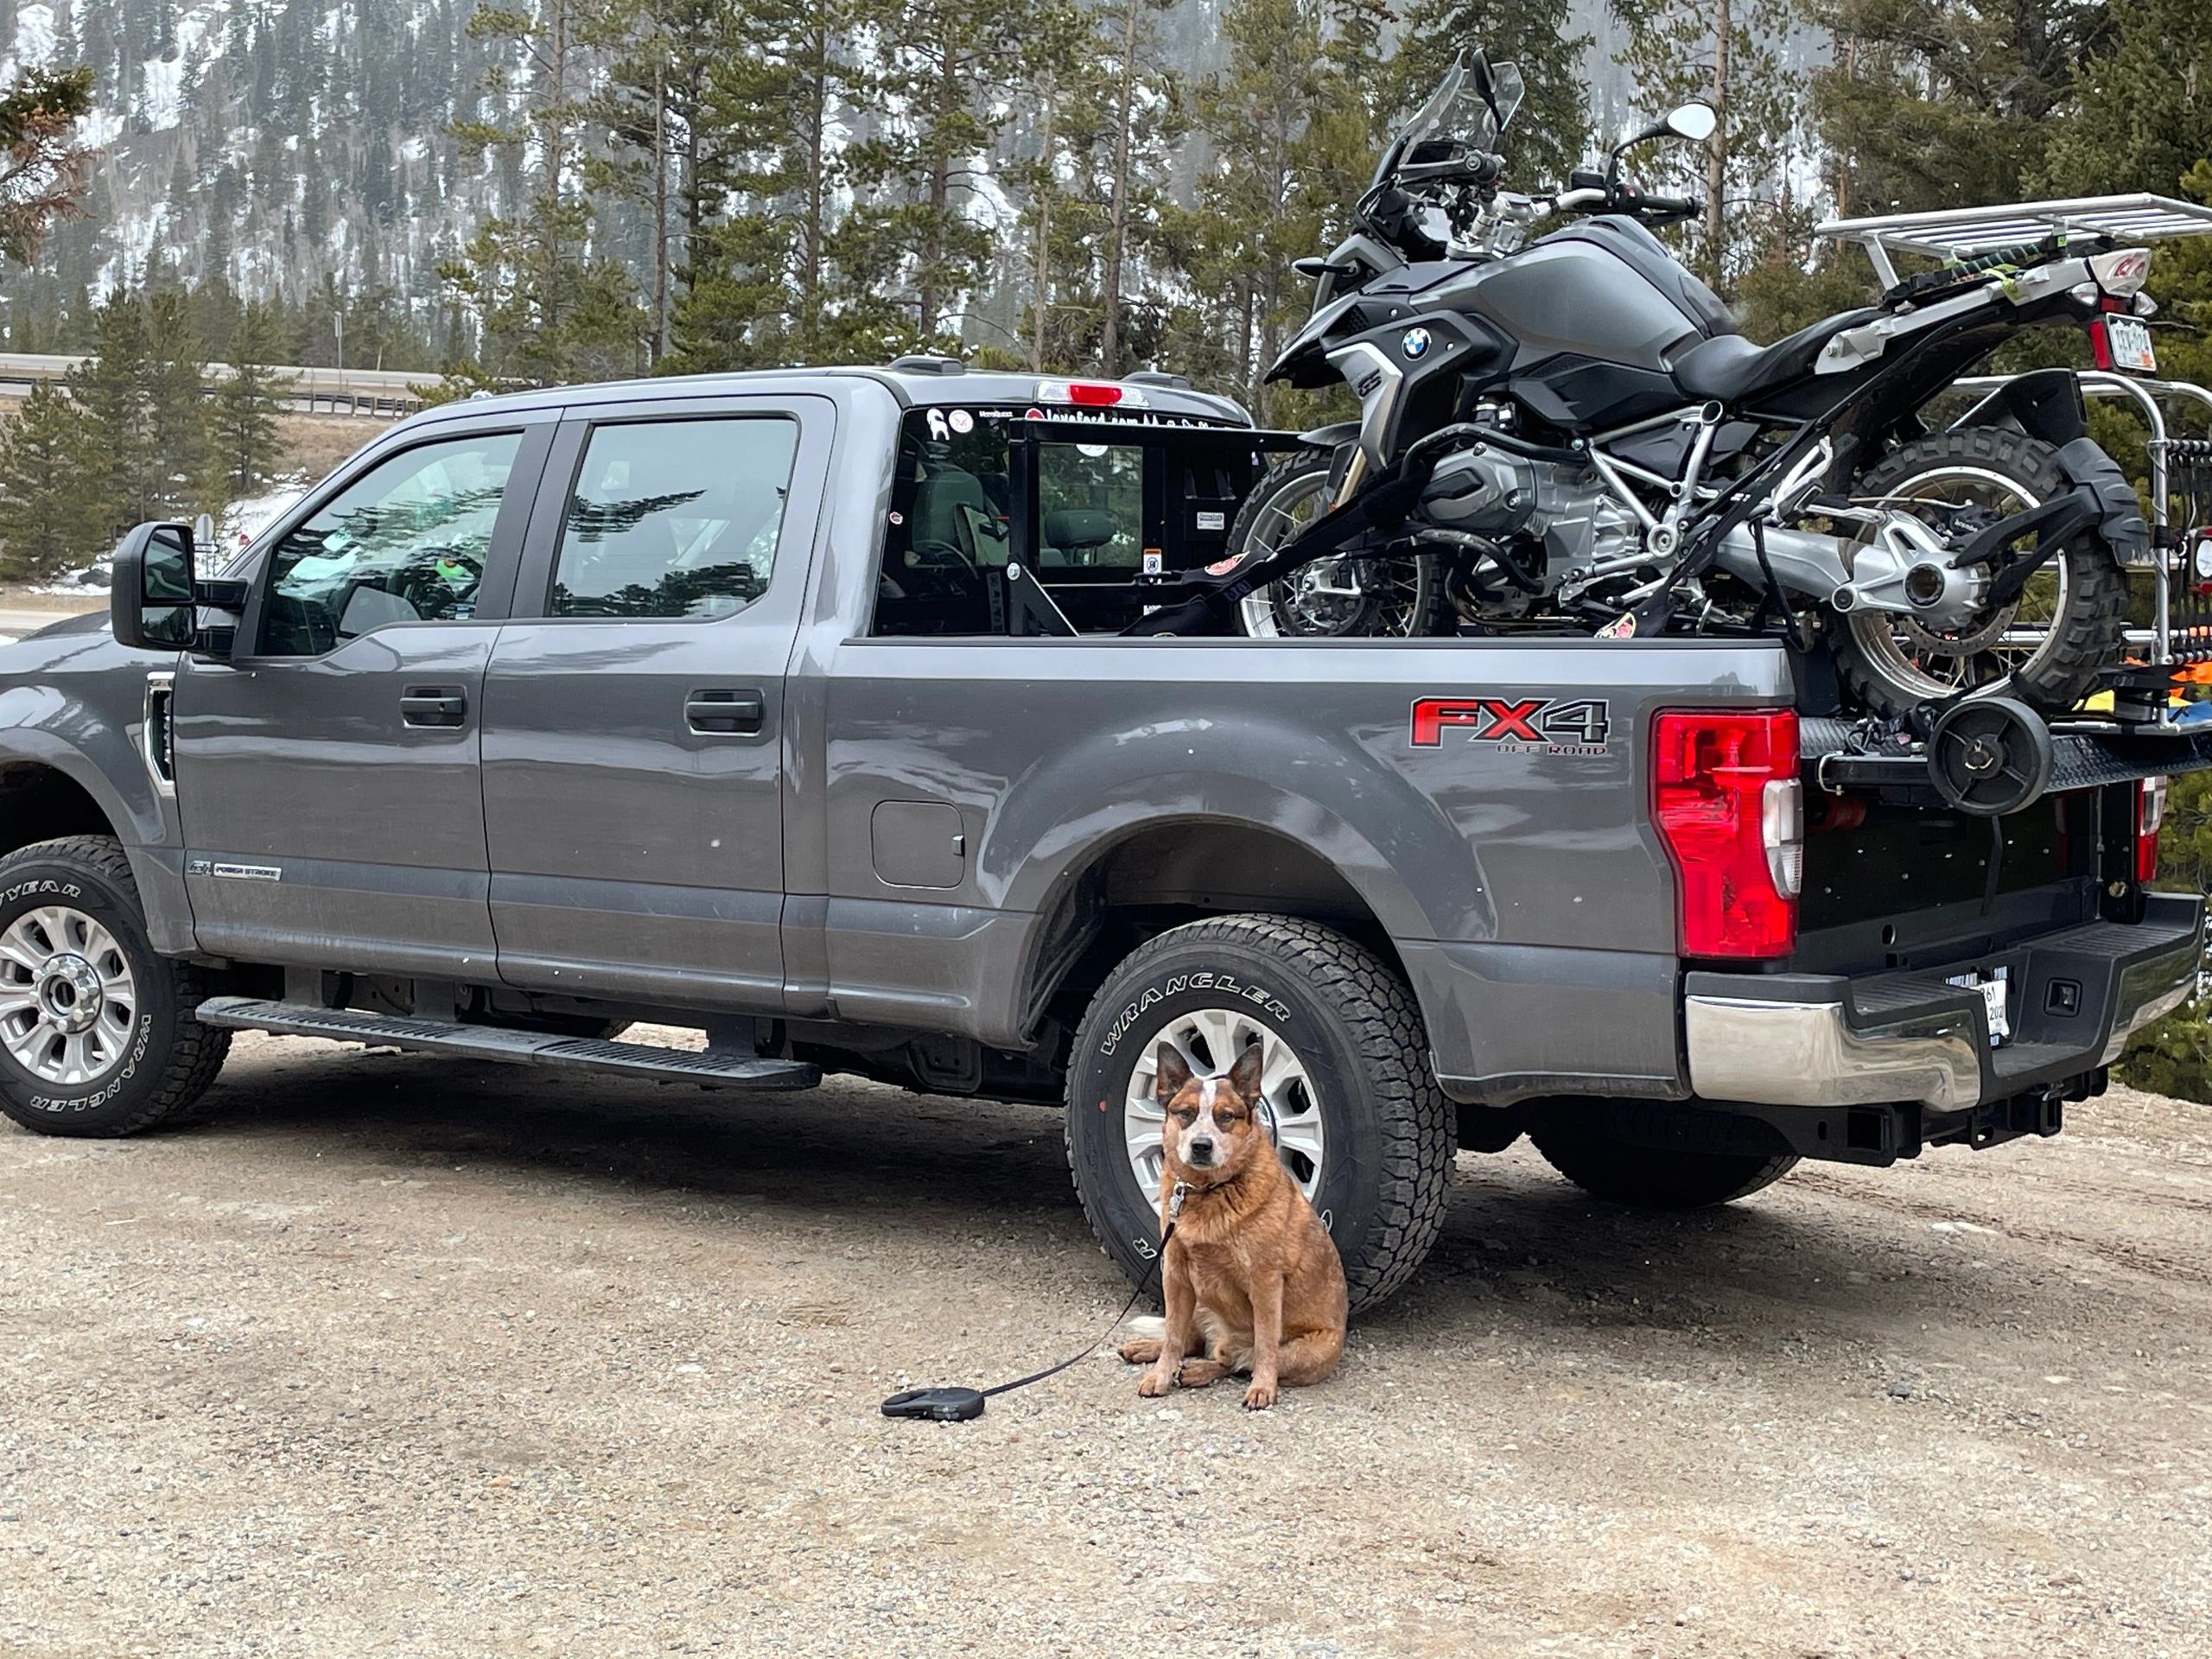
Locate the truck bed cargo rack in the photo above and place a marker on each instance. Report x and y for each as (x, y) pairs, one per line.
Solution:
(2179, 466)
(1839, 757)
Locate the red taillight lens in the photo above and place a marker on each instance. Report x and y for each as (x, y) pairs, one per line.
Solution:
(2099, 345)
(1090, 395)
(1728, 804)
(2149, 813)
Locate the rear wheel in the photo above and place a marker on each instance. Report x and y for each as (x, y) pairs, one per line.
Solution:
(1359, 1122)
(2049, 643)
(1388, 595)
(1653, 1178)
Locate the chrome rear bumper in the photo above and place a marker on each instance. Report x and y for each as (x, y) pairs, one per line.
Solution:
(2077, 996)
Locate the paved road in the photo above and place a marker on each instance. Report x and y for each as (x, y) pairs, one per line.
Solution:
(392, 1358)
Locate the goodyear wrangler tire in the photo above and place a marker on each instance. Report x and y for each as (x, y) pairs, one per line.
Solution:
(97, 1033)
(1361, 1123)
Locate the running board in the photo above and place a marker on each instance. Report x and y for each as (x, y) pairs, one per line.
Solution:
(709, 1070)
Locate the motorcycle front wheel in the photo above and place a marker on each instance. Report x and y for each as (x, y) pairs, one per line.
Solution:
(2047, 646)
(1343, 596)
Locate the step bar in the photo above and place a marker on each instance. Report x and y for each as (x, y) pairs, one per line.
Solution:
(709, 1070)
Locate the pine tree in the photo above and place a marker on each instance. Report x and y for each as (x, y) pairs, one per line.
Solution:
(1549, 134)
(121, 470)
(176, 382)
(245, 447)
(1727, 54)
(42, 163)
(1134, 144)
(941, 83)
(551, 310)
(1294, 132)
(48, 523)
(1928, 105)
(663, 143)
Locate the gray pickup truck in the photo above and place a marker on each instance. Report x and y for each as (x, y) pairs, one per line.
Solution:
(813, 710)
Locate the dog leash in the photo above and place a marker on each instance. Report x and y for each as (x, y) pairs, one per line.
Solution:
(957, 1405)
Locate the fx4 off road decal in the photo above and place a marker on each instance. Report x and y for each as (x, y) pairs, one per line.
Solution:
(1515, 725)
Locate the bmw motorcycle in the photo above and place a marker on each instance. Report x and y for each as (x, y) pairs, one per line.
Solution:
(1567, 431)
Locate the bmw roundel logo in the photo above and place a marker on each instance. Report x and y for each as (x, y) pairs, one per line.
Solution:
(1414, 343)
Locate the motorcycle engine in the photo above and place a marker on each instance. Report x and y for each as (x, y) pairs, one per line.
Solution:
(1490, 492)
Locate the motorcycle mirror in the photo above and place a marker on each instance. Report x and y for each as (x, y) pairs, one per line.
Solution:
(1695, 122)
(1485, 86)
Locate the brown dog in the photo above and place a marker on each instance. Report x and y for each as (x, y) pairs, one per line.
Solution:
(1250, 1269)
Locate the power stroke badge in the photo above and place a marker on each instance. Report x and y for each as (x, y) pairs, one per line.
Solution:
(1514, 725)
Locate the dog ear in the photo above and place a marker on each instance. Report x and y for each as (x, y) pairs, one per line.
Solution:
(1244, 1075)
(1170, 1072)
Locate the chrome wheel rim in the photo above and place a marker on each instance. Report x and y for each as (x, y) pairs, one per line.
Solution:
(1328, 597)
(1210, 1039)
(1924, 663)
(68, 998)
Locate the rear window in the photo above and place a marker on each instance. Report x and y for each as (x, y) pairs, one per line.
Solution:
(1098, 516)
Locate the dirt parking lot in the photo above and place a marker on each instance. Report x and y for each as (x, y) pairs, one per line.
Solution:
(394, 1357)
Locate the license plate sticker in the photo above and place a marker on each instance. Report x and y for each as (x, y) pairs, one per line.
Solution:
(1993, 989)
(2129, 340)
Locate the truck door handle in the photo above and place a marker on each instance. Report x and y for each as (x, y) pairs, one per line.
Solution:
(433, 705)
(725, 713)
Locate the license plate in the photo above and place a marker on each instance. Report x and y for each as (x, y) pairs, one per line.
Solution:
(1993, 988)
(2129, 339)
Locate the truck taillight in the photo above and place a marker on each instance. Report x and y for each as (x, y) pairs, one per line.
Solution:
(1728, 804)
(2149, 813)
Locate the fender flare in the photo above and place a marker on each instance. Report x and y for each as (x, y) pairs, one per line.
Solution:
(2047, 404)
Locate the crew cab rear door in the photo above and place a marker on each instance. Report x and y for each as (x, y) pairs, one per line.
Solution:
(634, 730)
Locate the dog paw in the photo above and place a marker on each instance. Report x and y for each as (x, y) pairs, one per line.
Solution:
(1142, 1351)
(1259, 1396)
(1151, 1385)
(1196, 1373)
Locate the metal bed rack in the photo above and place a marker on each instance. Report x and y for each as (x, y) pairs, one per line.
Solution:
(2181, 633)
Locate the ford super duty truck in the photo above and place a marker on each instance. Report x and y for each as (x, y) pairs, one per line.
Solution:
(797, 708)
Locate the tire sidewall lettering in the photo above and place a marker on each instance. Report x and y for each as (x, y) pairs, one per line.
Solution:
(35, 1094)
(1107, 1063)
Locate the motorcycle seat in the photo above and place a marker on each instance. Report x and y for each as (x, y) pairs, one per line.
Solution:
(1730, 369)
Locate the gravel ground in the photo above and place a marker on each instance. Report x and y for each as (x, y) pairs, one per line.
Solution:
(397, 1357)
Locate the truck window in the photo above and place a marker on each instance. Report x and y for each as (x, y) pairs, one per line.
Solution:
(1090, 503)
(1101, 518)
(675, 518)
(403, 542)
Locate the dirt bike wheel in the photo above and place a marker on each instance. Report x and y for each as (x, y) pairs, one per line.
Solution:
(2077, 603)
(1398, 596)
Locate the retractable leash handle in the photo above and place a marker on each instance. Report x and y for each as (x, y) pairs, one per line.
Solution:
(957, 1405)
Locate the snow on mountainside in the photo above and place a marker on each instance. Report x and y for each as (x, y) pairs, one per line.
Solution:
(286, 143)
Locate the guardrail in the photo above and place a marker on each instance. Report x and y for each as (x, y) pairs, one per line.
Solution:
(382, 394)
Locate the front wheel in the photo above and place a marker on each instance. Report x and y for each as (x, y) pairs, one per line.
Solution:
(97, 1034)
(2048, 645)
(1386, 595)
(1359, 1122)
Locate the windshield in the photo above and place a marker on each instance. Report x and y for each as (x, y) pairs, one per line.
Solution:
(1472, 104)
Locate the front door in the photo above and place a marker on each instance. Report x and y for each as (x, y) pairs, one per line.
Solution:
(633, 754)
(327, 775)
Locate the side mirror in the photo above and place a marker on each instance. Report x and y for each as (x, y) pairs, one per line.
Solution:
(1695, 122)
(150, 603)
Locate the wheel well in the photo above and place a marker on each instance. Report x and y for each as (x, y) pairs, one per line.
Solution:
(38, 803)
(1164, 876)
